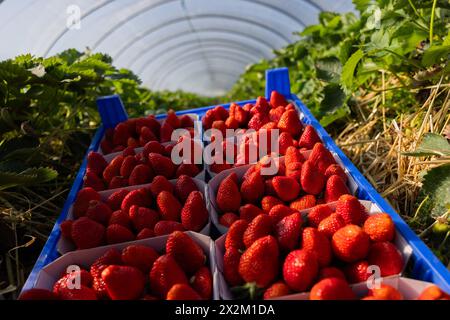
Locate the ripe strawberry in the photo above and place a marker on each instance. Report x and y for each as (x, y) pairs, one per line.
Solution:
(135, 197)
(86, 233)
(142, 217)
(38, 294)
(331, 289)
(119, 217)
(146, 135)
(239, 114)
(182, 292)
(91, 180)
(249, 211)
(276, 113)
(118, 182)
(321, 157)
(162, 165)
(145, 233)
(433, 292)
(113, 169)
(335, 187)
(259, 263)
(287, 188)
(164, 274)
(278, 289)
(261, 226)
(235, 235)
(318, 244)
(66, 229)
(350, 243)
(173, 119)
(202, 282)
(127, 166)
(188, 169)
(150, 123)
(385, 292)
(69, 280)
(300, 268)
(302, 203)
(318, 213)
(194, 214)
(81, 204)
(357, 271)
(96, 162)
(309, 138)
(99, 212)
(128, 151)
(188, 254)
(186, 121)
(351, 210)
(280, 211)
(114, 201)
(165, 132)
(312, 180)
(331, 224)
(380, 227)
(228, 197)
(169, 207)
(288, 230)
(290, 123)
(139, 256)
(261, 106)
(387, 257)
(133, 143)
(330, 272)
(293, 155)
(294, 170)
(231, 260)
(160, 183)
(335, 169)
(141, 174)
(252, 189)
(123, 282)
(106, 146)
(257, 121)
(184, 186)
(284, 142)
(153, 147)
(269, 189)
(121, 134)
(227, 219)
(277, 99)
(268, 202)
(111, 256)
(83, 293)
(166, 227)
(115, 233)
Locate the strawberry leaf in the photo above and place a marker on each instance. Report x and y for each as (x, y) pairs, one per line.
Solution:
(436, 185)
(432, 144)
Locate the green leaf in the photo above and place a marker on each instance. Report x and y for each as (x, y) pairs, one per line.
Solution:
(432, 144)
(348, 70)
(333, 99)
(28, 177)
(328, 69)
(434, 55)
(436, 185)
(361, 5)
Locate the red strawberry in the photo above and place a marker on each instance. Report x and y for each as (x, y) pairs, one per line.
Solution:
(290, 123)
(380, 227)
(128, 151)
(293, 155)
(169, 207)
(115, 233)
(335, 187)
(329, 225)
(227, 219)
(288, 230)
(150, 123)
(231, 123)
(194, 215)
(123, 282)
(276, 113)
(330, 272)
(165, 132)
(239, 114)
(268, 202)
(294, 170)
(220, 113)
(184, 186)
(113, 169)
(146, 136)
(120, 217)
(172, 119)
(300, 268)
(280, 211)
(145, 233)
(331, 289)
(287, 188)
(318, 244)
(261, 226)
(38, 294)
(433, 292)
(182, 291)
(153, 147)
(127, 166)
(257, 121)
(160, 183)
(135, 197)
(202, 282)
(318, 213)
(91, 180)
(261, 106)
(83, 293)
(106, 146)
(335, 169)
(357, 272)
(350, 243)
(96, 162)
(351, 210)
(284, 142)
(309, 138)
(66, 228)
(81, 204)
(235, 235)
(278, 289)
(277, 99)
(312, 180)
(186, 121)
(121, 134)
(302, 203)
(142, 217)
(259, 263)
(387, 257)
(162, 165)
(114, 201)
(86, 233)
(228, 198)
(249, 212)
(99, 212)
(385, 292)
(217, 168)
(118, 182)
(231, 266)
(252, 189)
(321, 157)
(166, 227)
(139, 256)
(133, 143)
(111, 256)
(141, 174)
(188, 254)
(70, 280)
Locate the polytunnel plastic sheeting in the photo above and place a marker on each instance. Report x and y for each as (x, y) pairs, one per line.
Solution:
(194, 45)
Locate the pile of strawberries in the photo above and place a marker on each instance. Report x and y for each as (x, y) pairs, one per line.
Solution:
(137, 132)
(139, 272)
(153, 210)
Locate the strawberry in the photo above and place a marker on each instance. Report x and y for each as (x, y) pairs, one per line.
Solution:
(139, 256)
(268, 202)
(182, 292)
(146, 135)
(99, 212)
(277, 99)
(160, 183)
(188, 254)
(127, 166)
(133, 143)
(141, 174)
(169, 207)
(335, 169)
(259, 263)
(287, 188)
(161, 165)
(202, 282)
(166, 227)
(128, 151)
(351, 210)
(290, 123)
(91, 180)
(293, 155)
(249, 211)
(284, 142)
(123, 282)
(252, 189)
(81, 204)
(106, 146)
(294, 170)
(96, 162)
(227, 219)
(86, 233)
(186, 121)
(261, 106)
(111, 256)
(331, 289)
(119, 217)
(318, 213)
(334, 188)
(280, 211)
(228, 198)
(219, 167)
(357, 271)
(173, 119)
(318, 244)
(239, 115)
(312, 180)
(164, 274)
(38, 294)
(231, 260)
(150, 123)
(260, 226)
(235, 235)
(114, 201)
(69, 280)
(83, 293)
(165, 132)
(257, 121)
(433, 292)
(308, 138)
(379, 227)
(330, 272)
(385, 292)
(300, 268)
(220, 113)
(188, 169)
(113, 169)
(194, 214)
(278, 289)
(302, 203)
(288, 230)
(142, 217)
(145, 234)
(321, 157)
(66, 229)
(386, 256)
(184, 186)
(115, 233)
(118, 182)
(276, 113)
(231, 123)
(134, 197)
(121, 134)
(329, 225)
(350, 243)
(153, 147)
